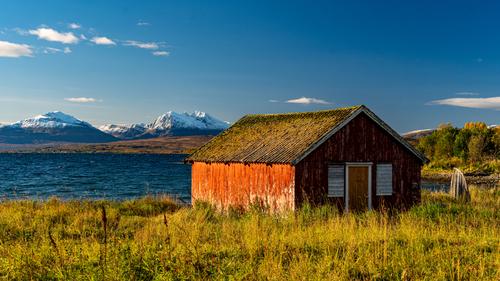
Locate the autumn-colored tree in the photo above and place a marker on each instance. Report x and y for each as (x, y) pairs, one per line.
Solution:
(445, 137)
(496, 141)
(479, 126)
(451, 147)
(461, 143)
(476, 146)
(427, 145)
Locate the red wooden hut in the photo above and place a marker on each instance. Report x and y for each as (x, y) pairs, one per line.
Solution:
(345, 156)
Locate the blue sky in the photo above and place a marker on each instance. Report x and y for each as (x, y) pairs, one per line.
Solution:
(415, 64)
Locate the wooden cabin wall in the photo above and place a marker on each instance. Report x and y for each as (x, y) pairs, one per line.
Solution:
(240, 185)
(361, 140)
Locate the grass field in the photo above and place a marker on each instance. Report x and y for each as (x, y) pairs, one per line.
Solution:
(154, 239)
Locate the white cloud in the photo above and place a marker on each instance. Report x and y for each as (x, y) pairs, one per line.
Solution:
(81, 100)
(273, 101)
(102, 41)
(143, 23)
(50, 34)
(50, 50)
(467, 94)
(74, 25)
(83, 37)
(161, 53)
(304, 100)
(13, 50)
(484, 103)
(142, 45)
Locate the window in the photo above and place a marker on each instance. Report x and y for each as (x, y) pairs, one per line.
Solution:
(384, 179)
(336, 178)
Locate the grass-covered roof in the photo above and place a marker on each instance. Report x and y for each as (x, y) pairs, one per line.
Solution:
(271, 138)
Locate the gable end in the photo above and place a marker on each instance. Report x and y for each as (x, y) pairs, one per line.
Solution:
(373, 117)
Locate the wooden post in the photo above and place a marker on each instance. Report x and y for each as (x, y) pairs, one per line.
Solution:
(458, 186)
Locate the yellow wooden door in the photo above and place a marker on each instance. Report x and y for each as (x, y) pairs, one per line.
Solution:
(358, 188)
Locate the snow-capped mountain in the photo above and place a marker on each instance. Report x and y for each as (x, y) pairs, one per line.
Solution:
(124, 131)
(170, 124)
(196, 120)
(54, 119)
(414, 135)
(57, 126)
(53, 126)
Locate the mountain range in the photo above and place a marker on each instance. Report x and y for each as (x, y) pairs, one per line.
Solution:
(169, 124)
(58, 127)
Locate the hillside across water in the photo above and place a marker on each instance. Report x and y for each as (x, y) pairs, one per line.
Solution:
(161, 145)
(475, 149)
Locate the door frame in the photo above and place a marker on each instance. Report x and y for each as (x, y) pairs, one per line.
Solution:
(346, 180)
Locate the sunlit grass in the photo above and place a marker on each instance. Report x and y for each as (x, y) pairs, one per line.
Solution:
(153, 239)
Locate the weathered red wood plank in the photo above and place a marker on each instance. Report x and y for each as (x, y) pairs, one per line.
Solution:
(240, 185)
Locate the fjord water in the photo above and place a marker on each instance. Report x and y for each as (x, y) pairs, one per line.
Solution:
(93, 176)
(102, 176)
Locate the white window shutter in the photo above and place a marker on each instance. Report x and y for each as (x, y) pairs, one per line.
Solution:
(384, 179)
(336, 178)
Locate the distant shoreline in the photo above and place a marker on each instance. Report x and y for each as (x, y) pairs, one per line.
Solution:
(488, 180)
(162, 145)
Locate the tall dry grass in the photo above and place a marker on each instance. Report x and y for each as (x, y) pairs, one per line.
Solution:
(153, 239)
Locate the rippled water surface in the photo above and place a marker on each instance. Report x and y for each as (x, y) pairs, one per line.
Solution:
(93, 176)
(102, 176)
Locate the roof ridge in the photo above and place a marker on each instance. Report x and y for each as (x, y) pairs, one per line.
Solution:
(305, 112)
(262, 137)
(285, 137)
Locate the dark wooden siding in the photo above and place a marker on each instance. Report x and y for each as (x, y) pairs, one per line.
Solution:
(361, 140)
(240, 185)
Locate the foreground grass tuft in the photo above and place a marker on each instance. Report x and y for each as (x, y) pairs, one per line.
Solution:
(155, 239)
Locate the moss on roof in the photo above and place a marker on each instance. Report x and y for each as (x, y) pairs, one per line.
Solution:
(271, 138)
